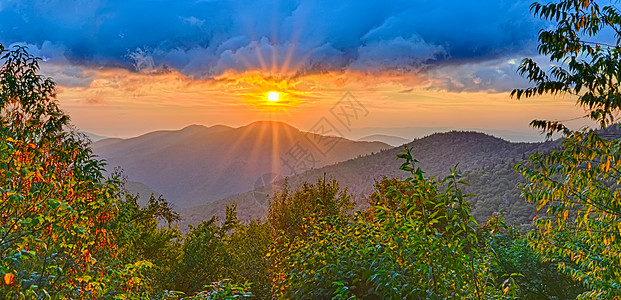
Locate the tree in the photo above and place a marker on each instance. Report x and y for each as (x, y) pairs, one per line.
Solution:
(247, 247)
(586, 69)
(146, 233)
(577, 185)
(69, 232)
(203, 259)
(58, 213)
(418, 242)
(288, 210)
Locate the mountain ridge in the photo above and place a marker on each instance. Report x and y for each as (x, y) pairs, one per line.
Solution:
(384, 138)
(470, 151)
(199, 164)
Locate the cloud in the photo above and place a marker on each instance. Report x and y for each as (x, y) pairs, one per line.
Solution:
(397, 53)
(143, 62)
(494, 75)
(54, 64)
(203, 39)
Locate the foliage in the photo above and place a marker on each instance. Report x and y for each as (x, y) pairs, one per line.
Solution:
(248, 246)
(587, 69)
(288, 209)
(66, 231)
(291, 212)
(533, 278)
(220, 290)
(212, 252)
(203, 258)
(57, 209)
(578, 184)
(423, 245)
(54, 223)
(28, 109)
(225, 289)
(140, 237)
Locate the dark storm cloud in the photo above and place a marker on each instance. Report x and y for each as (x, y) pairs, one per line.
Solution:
(205, 38)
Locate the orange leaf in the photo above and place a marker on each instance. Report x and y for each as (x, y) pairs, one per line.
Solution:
(9, 278)
(607, 165)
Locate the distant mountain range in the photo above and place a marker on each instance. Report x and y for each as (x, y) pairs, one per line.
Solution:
(94, 137)
(485, 161)
(413, 132)
(388, 139)
(200, 170)
(198, 165)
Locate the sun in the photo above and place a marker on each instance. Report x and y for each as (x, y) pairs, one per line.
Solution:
(273, 96)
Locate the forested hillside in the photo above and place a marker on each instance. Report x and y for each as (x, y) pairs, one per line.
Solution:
(486, 162)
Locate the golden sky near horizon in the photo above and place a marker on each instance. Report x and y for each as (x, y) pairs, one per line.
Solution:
(120, 103)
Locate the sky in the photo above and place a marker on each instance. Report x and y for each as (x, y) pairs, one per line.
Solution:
(124, 68)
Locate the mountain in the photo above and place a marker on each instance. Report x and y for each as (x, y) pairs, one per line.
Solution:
(527, 135)
(141, 190)
(198, 165)
(94, 137)
(484, 160)
(388, 139)
(409, 133)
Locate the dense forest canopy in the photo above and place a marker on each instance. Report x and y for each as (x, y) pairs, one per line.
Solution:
(67, 231)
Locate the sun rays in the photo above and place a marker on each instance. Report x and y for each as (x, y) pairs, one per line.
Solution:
(271, 83)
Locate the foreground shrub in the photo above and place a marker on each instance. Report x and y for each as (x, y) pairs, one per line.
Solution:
(424, 245)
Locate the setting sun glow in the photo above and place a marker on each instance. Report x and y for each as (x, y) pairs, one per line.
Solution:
(273, 96)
